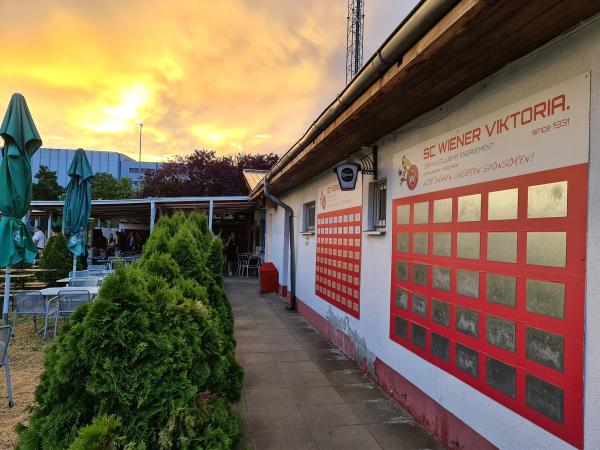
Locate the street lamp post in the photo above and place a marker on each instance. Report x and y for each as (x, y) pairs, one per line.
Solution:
(139, 122)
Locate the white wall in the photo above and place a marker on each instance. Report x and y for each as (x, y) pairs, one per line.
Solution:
(564, 59)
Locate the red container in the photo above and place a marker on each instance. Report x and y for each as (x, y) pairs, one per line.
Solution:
(268, 278)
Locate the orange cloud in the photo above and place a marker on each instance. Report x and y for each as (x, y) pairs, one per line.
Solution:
(231, 75)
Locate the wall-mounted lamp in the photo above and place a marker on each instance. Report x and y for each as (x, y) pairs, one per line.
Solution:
(346, 172)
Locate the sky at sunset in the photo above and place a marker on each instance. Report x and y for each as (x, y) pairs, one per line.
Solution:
(226, 75)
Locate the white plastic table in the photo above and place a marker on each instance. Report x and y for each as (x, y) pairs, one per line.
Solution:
(53, 291)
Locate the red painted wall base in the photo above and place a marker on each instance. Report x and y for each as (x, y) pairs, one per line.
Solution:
(448, 428)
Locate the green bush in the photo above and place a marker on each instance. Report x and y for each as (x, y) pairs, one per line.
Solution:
(143, 354)
(151, 363)
(56, 256)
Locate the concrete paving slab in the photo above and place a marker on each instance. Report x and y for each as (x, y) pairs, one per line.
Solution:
(315, 379)
(301, 392)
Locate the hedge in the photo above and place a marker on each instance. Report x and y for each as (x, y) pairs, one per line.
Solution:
(151, 363)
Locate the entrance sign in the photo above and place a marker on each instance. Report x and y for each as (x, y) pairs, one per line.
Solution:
(339, 237)
(489, 246)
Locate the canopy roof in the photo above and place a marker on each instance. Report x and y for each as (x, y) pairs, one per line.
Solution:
(137, 211)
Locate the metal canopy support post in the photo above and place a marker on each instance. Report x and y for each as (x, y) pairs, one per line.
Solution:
(49, 229)
(152, 215)
(210, 214)
(6, 296)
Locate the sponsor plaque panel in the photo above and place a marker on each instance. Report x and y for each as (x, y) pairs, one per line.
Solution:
(339, 237)
(492, 251)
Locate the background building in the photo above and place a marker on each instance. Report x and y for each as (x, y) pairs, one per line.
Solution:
(115, 163)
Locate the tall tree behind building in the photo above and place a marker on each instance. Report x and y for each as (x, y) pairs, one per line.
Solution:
(46, 187)
(203, 173)
(107, 187)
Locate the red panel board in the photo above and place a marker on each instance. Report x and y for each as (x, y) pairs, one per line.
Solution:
(338, 258)
(469, 295)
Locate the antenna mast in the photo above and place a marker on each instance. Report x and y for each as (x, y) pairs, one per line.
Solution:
(354, 38)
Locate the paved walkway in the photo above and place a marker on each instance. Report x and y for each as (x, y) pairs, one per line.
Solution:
(300, 392)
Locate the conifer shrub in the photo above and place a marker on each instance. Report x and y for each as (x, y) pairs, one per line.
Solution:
(151, 363)
(144, 366)
(188, 241)
(56, 256)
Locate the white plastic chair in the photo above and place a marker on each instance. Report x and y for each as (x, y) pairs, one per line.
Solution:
(32, 304)
(252, 263)
(85, 282)
(67, 303)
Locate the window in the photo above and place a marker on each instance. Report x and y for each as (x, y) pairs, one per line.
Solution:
(377, 203)
(309, 217)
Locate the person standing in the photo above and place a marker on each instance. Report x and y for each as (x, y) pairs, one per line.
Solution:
(231, 249)
(39, 239)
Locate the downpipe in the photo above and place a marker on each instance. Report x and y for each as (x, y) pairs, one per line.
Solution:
(290, 213)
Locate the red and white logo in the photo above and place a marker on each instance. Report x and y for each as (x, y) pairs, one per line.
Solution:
(409, 173)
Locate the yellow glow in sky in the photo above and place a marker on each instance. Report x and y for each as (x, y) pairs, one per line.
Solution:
(230, 75)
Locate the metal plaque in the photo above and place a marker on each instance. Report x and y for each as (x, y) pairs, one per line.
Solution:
(402, 270)
(501, 289)
(400, 327)
(421, 243)
(419, 305)
(467, 283)
(440, 312)
(547, 248)
(546, 298)
(501, 333)
(402, 240)
(401, 298)
(467, 321)
(403, 215)
(467, 360)
(503, 205)
(500, 376)
(442, 210)
(421, 274)
(545, 348)
(547, 200)
(545, 398)
(467, 245)
(442, 244)
(502, 246)
(440, 346)
(419, 336)
(441, 278)
(421, 212)
(469, 208)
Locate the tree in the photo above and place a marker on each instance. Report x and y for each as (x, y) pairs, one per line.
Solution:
(203, 173)
(56, 256)
(47, 187)
(107, 187)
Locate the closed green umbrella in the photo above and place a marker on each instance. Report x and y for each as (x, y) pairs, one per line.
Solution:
(78, 204)
(21, 141)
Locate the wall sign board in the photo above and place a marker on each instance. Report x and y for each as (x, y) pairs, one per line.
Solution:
(488, 254)
(339, 237)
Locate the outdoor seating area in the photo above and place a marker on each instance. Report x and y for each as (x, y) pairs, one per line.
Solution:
(247, 263)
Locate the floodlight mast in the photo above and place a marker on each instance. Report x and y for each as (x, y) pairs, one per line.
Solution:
(354, 38)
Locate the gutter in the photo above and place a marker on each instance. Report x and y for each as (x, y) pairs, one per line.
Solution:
(290, 213)
(410, 30)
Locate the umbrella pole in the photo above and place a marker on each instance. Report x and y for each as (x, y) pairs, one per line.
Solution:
(6, 296)
(74, 264)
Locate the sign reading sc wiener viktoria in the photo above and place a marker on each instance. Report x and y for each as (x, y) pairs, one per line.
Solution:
(489, 250)
(339, 236)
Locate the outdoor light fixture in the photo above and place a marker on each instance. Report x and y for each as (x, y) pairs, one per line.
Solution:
(347, 172)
